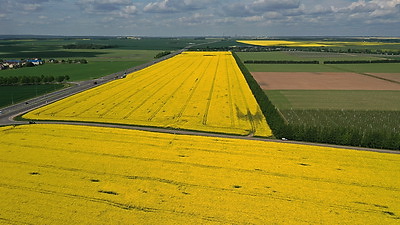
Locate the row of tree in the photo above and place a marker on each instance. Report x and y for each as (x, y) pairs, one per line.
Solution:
(344, 136)
(352, 50)
(88, 46)
(24, 80)
(69, 61)
(323, 62)
(331, 135)
(162, 54)
(363, 61)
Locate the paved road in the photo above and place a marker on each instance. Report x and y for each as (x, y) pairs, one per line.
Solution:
(205, 134)
(9, 113)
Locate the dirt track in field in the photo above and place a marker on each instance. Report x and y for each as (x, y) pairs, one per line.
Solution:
(389, 76)
(324, 81)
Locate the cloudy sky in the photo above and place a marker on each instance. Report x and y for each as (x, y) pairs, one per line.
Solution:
(201, 17)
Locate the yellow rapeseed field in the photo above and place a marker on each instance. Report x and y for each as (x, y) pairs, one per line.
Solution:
(203, 91)
(64, 174)
(311, 43)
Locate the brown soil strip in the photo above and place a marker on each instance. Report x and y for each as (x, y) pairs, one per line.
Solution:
(388, 76)
(321, 81)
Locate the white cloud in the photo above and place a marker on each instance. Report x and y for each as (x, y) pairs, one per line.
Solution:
(171, 6)
(253, 18)
(122, 8)
(196, 18)
(157, 17)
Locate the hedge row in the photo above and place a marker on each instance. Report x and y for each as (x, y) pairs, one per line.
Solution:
(22, 80)
(274, 118)
(363, 61)
(344, 136)
(324, 62)
(304, 132)
(162, 54)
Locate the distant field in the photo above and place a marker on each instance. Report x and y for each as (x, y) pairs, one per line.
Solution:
(126, 53)
(318, 56)
(303, 55)
(357, 68)
(54, 47)
(368, 68)
(318, 43)
(76, 72)
(322, 81)
(63, 174)
(335, 99)
(14, 94)
(291, 68)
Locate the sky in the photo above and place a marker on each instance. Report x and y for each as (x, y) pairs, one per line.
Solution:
(201, 17)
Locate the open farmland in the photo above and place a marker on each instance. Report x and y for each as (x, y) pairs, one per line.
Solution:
(345, 104)
(89, 175)
(319, 43)
(304, 56)
(335, 99)
(203, 91)
(321, 81)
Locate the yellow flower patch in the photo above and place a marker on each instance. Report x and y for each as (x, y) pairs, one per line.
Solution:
(203, 91)
(64, 174)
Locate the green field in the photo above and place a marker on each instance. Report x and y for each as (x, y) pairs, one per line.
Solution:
(368, 68)
(356, 68)
(366, 118)
(371, 121)
(335, 99)
(126, 53)
(53, 47)
(15, 94)
(76, 72)
(291, 68)
(304, 56)
(317, 56)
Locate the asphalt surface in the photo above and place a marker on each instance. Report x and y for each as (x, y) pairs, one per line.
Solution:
(8, 114)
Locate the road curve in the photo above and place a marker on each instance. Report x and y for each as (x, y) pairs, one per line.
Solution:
(8, 114)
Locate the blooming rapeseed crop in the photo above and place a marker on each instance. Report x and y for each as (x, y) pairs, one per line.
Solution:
(311, 43)
(203, 91)
(64, 174)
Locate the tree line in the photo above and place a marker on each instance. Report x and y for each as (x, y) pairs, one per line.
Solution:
(363, 61)
(25, 80)
(323, 62)
(310, 133)
(88, 46)
(69, 61)
(162, 54)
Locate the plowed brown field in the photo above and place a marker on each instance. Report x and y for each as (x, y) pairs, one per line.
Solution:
(389, 76)
(322, 81)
